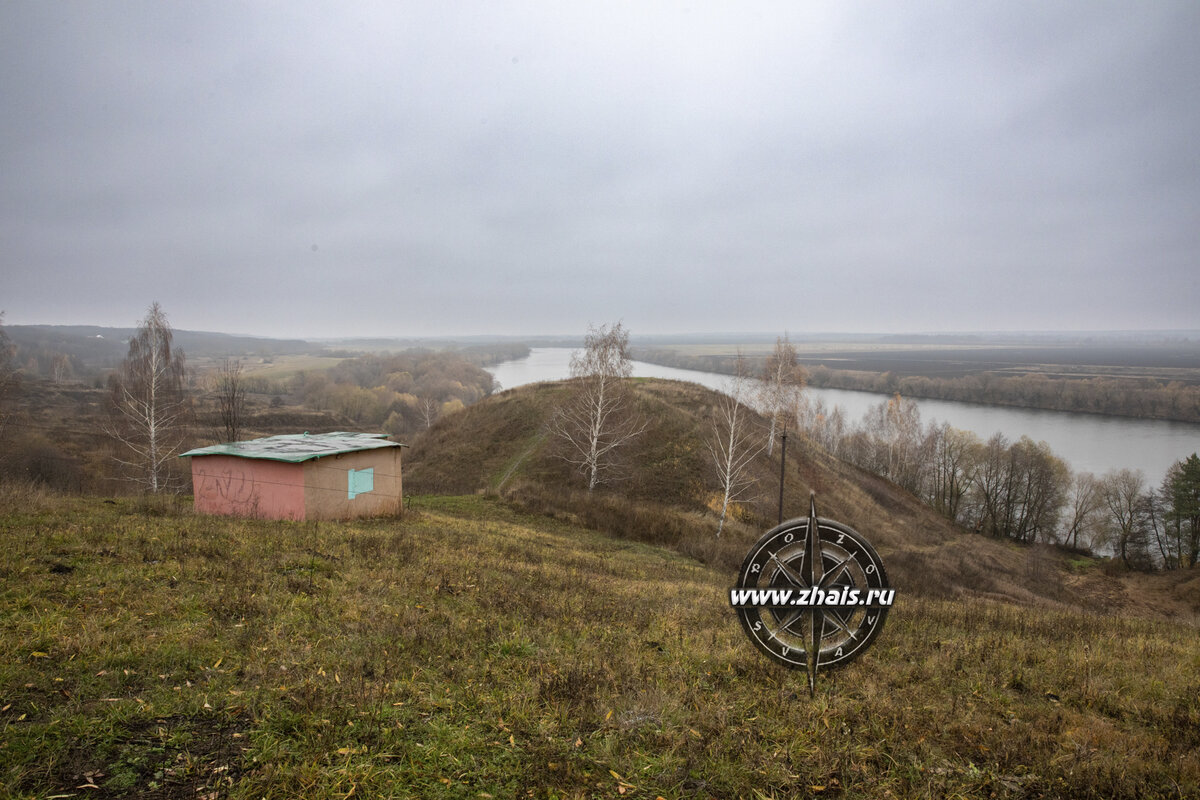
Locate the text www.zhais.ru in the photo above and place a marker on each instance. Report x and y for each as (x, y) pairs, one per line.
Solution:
(841, 596)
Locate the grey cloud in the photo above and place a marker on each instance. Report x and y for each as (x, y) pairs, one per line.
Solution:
(519, 167)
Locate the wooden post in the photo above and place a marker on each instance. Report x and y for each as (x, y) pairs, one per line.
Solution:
(782, 464)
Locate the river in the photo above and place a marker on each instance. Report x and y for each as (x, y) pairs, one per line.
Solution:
(1087, 442)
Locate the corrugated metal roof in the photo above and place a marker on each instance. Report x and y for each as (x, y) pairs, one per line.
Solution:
(297, 447)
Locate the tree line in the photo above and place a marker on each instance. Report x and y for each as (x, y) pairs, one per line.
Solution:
(404, 393)
(1142, 398)
(1018, 490)
(401, 393)
(1012, 490)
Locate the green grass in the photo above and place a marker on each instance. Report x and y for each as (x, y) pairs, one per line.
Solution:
(468, 651)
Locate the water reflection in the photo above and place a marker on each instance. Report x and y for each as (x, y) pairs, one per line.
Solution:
(1087, 442)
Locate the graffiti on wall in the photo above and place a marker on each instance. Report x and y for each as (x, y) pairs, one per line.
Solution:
(228, 486)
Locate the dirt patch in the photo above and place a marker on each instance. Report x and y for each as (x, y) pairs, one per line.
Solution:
(198, 758)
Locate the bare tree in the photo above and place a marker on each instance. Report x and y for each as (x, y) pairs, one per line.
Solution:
(231, 398)
(60, 367)
(1040, 483)
(1156, 512)
(732, 443)
(1018, 489)
(1083, 511)
(992, 487)
(782, 382)
(148, 405)
(893, 443)
(1122, 494)
(824, 426)
(906, 442)
(598, 417)
(955, 461)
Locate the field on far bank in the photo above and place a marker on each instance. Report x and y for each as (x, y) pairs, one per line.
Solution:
(280, 367)
(1130, 376)
(1159, 361)
(469, 651)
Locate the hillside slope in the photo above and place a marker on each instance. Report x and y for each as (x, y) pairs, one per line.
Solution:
(501, 446)
(467, 650)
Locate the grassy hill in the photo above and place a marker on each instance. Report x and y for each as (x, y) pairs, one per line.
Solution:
(500, 446)
(469, 650)
(512, 636)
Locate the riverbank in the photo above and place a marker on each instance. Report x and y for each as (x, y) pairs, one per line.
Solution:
(1170, 393)
(1093, 443)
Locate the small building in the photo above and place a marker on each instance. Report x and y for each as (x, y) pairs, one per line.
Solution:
(299, 477)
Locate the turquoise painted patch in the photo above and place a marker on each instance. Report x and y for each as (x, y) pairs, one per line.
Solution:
(360, 481)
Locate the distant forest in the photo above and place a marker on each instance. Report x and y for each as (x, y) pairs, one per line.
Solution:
(402, 393)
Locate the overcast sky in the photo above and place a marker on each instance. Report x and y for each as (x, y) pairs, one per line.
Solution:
(434, 168)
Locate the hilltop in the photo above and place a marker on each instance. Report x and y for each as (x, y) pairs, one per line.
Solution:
(501, 446)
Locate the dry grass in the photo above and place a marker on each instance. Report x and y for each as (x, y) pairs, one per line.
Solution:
(469, 650)
(278, 368)
(500, 446)
(25, 496)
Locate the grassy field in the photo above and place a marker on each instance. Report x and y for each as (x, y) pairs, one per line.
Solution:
(282, 367)
(1161, 362)
(1145, 381)
(469, 651)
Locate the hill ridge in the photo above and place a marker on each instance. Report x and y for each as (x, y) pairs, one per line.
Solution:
(501, 446)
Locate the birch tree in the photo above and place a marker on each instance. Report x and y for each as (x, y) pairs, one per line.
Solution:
(732, 443)
(148, 406)
(782, 381)
(894, 444)
(824, 426)
(430, 408)
(598, 418)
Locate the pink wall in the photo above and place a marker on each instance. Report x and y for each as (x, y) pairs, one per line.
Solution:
(248, 487)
